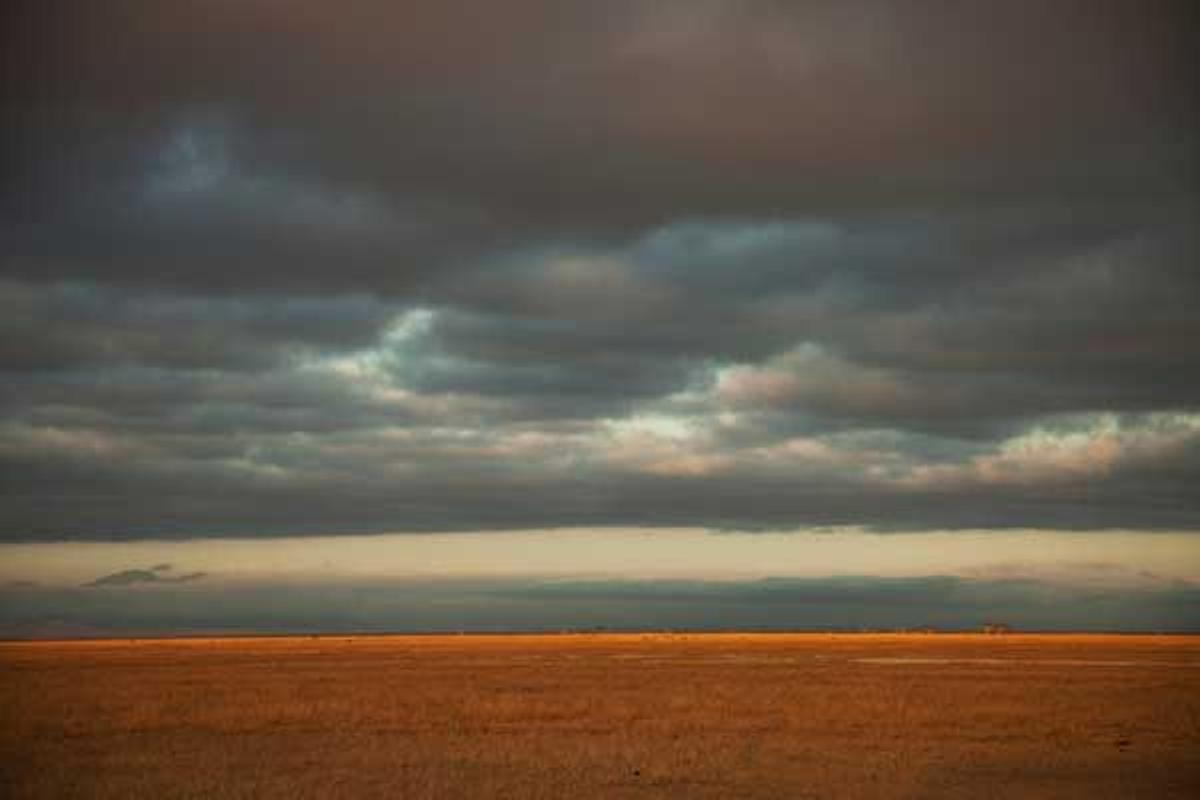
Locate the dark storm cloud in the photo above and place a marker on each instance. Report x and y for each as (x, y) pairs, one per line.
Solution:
(372, 482)
(554, 118)
(58, 326)
(273, 267)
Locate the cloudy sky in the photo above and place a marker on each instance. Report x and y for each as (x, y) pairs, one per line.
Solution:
(534, 314)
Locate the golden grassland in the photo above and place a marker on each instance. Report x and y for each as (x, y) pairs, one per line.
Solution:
(603, 716)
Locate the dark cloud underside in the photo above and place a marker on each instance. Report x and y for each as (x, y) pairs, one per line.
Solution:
(275, 267)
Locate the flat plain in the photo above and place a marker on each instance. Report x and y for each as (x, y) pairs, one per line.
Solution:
(603, 716)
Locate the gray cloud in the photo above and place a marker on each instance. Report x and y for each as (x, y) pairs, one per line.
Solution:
(156, 574)
(262, 129)
(754, 264)
(64, 326)
(531, 604)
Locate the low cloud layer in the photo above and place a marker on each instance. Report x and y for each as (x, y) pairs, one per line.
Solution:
(157, 574)
(848, 603)
(272, 270)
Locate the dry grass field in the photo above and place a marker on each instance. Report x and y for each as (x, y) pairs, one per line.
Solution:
(604, 716)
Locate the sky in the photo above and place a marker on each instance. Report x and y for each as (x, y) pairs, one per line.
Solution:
(531, 315)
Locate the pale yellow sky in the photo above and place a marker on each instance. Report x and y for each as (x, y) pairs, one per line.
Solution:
(1107, 557)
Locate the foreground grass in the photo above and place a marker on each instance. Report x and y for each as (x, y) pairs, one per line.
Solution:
(604, 716)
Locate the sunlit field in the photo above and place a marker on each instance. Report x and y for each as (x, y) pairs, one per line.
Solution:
(604, 716)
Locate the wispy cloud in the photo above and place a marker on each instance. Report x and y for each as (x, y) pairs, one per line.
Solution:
(19, 584)
(155, 574)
